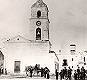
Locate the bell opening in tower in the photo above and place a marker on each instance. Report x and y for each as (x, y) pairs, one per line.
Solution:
(38, 14)
(38, 34)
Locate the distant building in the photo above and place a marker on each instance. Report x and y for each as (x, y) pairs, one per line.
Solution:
(73, 58)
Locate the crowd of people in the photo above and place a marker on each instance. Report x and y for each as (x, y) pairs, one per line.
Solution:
(2, 71)
(80, 74)
(66, 74)
(44, 72)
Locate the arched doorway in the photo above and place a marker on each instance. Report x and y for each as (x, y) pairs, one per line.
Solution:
(38, 34)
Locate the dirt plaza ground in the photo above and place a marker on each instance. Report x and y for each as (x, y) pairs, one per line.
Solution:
(7, 77)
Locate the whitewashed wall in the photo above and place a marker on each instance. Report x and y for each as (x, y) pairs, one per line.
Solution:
(28, 54)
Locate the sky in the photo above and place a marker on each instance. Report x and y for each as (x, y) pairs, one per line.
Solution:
(68, 21)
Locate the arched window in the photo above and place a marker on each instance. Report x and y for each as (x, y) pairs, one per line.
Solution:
(38, 34)
(38, 14)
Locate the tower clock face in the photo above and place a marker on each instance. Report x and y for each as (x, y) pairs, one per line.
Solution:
(38, 23)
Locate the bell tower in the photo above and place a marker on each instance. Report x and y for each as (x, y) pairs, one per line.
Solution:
(39, 21)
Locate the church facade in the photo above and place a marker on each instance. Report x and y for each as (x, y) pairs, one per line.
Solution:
(20, 52)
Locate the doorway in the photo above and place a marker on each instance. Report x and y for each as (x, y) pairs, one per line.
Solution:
(17, 66)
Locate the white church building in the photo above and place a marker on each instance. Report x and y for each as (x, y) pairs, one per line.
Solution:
(20, 52)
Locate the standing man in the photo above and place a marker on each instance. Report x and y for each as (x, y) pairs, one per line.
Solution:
(42, 72)
(69, 73)
(56, 74)
(31, 71)
(78, 73)
(61, 74)
(83, 73)
(45, 72)
(48, 76)
(65, 73)
(0, 71)
(5, 71)
(75, 75)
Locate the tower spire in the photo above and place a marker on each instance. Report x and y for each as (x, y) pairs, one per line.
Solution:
(40, 1)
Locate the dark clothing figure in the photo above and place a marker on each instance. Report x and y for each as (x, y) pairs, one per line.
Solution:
(61, 75)
(42, 72)
(78, 73)
(0, 71)
(36, 68)
(78, 70)
(31, 71)
(81, 76)
(48, 76)
(65, 73)
(75, 75)
(46, 72)
(83, 73)
(69, 73)
(5, 72)
(56, 74)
